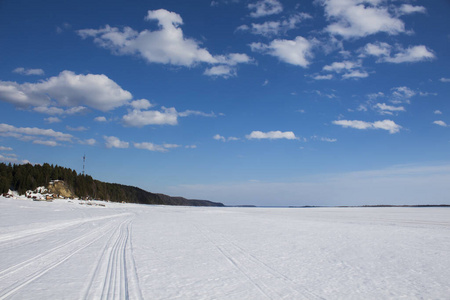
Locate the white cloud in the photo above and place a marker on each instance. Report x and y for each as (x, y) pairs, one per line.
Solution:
(402, 94)
(440, 123)
(388, 109)
(46, 143)
(100, 119)
(218, 137)
(360, 18)
(3, 148)
(271, 28)
(411, 54)
(220, 71)
(355, 74)
(154, 147)
(385, 125)
(89, 142)
(437, 112)
(271, 135)
(350, 69)
(13, 160)
(323, 139)
(19, 132)
(407, 9)
(189, 112)
(79, 128)
(52, 110)
(323, 77)
(67, 90)
(168, 45)
(28, 72)
(378, 49)
(295, 52)
(264, 8)
(190, 146)
(168, 116)
(114, 142)
(444, 79)
(138, 118)
(141, 104)
(51, 120)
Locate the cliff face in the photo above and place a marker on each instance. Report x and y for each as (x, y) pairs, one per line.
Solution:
(59, 187)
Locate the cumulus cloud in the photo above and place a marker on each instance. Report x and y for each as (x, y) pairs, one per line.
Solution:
(189, 112)
(46, 143)
(220, 71)
(79, 128)
(67, 90)
(264, 8)
(141, 104)
(383, 52)
(167, 116)
(28, 133)
(100, 119)
(388, 125)
(90, 142)
(218, 137)
(323, 77)
(51, 120)
(348, 69)
(360, 18)
(168, 45)
(383, 108)
(139, 118)
(323, 139)
(407, 9)
(271, 28)
(28, 72)
(296, 52)
(155, 147)
(402, 94)
(13, 160)
(52, 110)
(440, 123)
(271, 135)
(114, 142)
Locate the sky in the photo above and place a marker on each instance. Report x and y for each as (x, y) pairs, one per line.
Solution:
(262, 102)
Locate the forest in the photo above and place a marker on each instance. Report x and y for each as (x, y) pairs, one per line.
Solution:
(22, 178)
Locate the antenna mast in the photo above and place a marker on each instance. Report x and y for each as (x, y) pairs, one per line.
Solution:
(84, 160)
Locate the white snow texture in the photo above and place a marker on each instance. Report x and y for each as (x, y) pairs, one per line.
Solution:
(64, 250)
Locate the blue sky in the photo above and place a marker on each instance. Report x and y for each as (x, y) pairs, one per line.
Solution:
(326, 102)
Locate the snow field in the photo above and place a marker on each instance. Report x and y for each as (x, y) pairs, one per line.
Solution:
(64, 250)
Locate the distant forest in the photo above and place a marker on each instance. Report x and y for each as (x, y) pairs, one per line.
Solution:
(21, 178)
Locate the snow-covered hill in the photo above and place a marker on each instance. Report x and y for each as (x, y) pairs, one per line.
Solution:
(67, 249)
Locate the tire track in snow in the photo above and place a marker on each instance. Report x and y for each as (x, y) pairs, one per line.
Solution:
(16, 277)
(280, 287)
(114, 276)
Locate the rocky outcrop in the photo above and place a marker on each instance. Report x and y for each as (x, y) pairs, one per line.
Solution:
(60, 188)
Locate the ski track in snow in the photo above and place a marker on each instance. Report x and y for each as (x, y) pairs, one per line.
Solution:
(22, 274)
(114, 277)
(257, 271)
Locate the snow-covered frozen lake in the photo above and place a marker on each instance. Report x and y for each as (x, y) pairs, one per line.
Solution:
(64, 250)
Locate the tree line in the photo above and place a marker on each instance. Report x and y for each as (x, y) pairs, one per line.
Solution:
(25, 177)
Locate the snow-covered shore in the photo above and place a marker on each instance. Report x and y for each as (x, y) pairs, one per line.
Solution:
(64, 250)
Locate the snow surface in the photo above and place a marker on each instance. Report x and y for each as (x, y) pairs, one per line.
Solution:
(70, 250)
